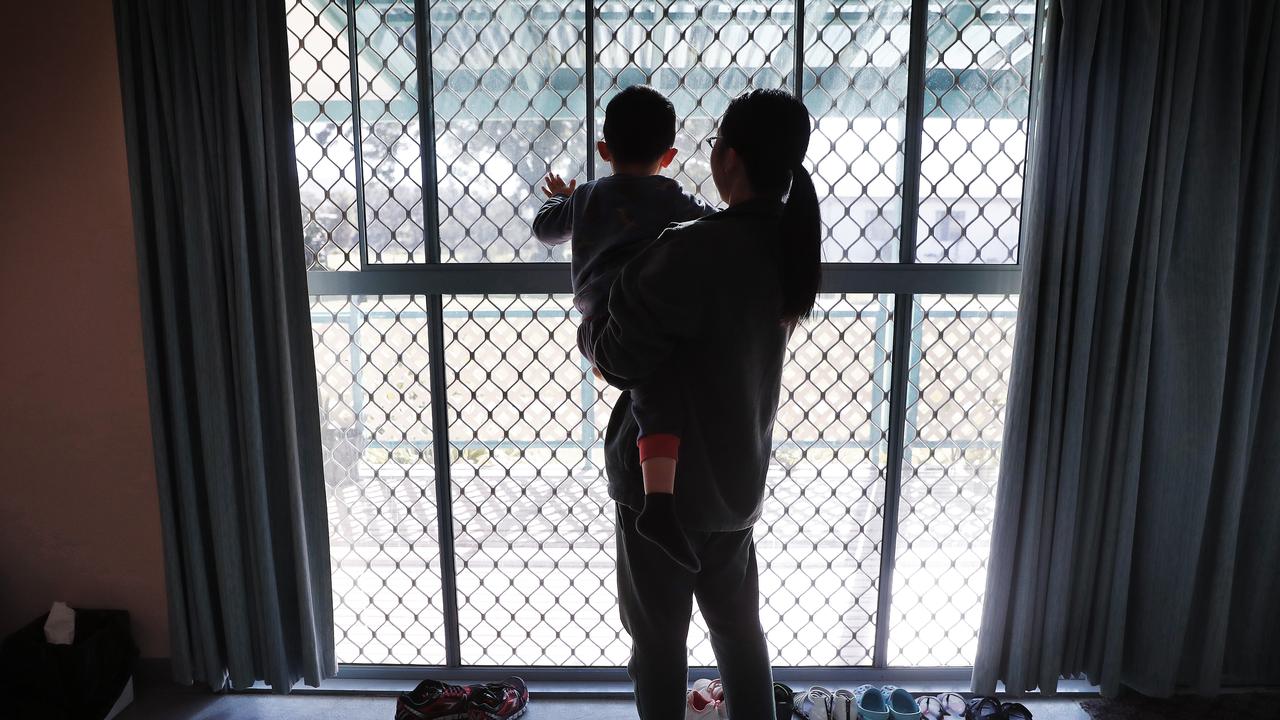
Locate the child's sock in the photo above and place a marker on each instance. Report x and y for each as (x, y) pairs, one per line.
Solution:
(657, 523)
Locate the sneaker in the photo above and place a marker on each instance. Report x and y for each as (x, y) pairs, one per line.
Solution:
(434, 700)
(499, 701)
(714, 689)
(902, 706)
(783, 701)
(700, 705)
(844, 706)
(870, 703)
(816, 703)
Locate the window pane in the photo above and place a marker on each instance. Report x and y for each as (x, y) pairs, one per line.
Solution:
(532, 518)
(819, 538)
(320, 69)
(962, 347)
(977, 82)
(534, 525)
(700, 55)
(375, 422)
(391, 140)
(855, 84)
(509, 104)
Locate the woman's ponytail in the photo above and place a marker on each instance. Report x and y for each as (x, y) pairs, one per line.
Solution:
(802, 248)
(770, 129)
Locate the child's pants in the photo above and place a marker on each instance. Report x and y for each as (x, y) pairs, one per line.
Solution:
(657, 403)
(655, 596)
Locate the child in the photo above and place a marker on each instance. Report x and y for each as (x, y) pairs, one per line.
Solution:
(610, 221)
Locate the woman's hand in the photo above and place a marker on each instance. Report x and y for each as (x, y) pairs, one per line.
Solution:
(555, 185)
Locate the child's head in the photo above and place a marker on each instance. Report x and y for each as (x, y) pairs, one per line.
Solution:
(639, 130)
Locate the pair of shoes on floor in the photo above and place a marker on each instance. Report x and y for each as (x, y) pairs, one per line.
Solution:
(865, 703)
(705, 701)
(885, 703)
(989, 708)
(946, 705)
(434, 700)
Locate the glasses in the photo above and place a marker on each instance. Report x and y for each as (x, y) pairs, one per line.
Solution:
(711, 141)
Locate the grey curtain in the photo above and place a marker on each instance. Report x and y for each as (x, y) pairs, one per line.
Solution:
(1136, 540)
(228, 341)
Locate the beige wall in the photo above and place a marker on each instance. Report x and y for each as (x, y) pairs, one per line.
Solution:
(78, 510)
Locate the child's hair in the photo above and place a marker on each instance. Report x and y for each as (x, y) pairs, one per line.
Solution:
(639, 125)
(769, 130)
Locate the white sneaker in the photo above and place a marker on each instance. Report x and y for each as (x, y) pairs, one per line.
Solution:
(700, 705)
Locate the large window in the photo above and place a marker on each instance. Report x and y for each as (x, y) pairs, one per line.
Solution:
(463, 432)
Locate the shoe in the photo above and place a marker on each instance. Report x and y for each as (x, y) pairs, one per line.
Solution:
(499, 701)
(783, 701)
(816, 703)
(843, 707)
(434, 700)
(902, 706)
(714, 689)
(984, 708)
(937, 707)
(1015, 711)
(700, 705)
(870, 703)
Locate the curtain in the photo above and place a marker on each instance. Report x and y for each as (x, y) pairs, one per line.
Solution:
(1135, 540)
(228, 340)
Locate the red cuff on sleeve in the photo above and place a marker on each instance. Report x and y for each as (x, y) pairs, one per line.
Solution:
(659, 445)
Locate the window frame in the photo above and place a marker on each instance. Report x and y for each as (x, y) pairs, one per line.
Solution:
(437, 278)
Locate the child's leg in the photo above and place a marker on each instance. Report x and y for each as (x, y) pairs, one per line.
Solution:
(659, 452)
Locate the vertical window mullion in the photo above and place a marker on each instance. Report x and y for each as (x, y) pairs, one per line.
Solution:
(904, 312)
(435, 339)
(589, 82)
(357, 132)
(798, 40)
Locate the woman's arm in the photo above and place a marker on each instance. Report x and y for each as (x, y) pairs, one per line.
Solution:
(654, 305)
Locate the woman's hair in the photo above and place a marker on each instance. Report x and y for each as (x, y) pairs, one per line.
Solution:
(769, 130)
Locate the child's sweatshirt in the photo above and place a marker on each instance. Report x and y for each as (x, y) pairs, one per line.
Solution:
(611, 220)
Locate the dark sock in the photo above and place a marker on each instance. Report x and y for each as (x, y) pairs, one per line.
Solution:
(657, 523)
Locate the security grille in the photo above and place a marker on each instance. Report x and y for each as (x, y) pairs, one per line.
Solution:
(463, 431)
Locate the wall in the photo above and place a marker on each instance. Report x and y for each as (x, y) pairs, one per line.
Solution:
(79, 518)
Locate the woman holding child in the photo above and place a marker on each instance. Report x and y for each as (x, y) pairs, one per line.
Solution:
(695, 328)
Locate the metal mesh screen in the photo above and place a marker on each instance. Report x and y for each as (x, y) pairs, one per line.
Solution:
(855, 84)
(320, 70)
(371, 360)
(700, 55)
(390, 131)
(531, 525)
(977, 93)
(533, 521)
(509, 103)
(962, 348)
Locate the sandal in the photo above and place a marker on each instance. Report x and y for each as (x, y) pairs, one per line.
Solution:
(1015, 711)
(931, 708)
(953, 704)
(984, 708)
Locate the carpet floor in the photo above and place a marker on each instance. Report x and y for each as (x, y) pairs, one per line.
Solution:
(1248, 706)
(185, 705)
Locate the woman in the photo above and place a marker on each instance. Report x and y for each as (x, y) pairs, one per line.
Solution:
(712, 303)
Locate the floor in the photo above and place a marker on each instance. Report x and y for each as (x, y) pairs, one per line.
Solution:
(185, 705)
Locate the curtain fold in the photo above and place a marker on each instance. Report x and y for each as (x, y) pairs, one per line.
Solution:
(227, 333)
(1134, 541)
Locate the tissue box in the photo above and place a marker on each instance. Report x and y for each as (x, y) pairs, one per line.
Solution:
(89, 679)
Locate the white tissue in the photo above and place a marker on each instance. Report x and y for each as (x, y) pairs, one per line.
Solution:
(60, 628)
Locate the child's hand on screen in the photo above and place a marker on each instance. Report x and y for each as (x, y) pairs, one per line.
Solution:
(555, 185)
